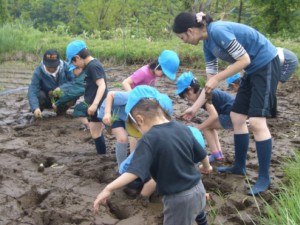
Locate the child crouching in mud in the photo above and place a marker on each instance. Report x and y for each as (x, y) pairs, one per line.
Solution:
(168, 150)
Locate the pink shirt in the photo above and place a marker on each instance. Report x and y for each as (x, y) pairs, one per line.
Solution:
(143, 76)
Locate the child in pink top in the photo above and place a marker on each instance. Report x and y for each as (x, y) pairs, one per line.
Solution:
(166, 65)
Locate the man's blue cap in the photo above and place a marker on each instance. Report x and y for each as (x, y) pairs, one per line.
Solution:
(140, 92)
(232, 79)
(169, 62)
(73, 49)
(184, 81)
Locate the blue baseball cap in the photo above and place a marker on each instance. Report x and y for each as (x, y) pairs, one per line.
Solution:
(141, 92)
(166, 103)
(232, 79)
(72, 67)
(169, 62)
(73, 48)
(184, 81)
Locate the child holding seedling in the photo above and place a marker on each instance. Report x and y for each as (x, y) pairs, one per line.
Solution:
(51, 75)
(166, 65)
(167, 150)
(218, 106)
(112, 114)
(95, 87)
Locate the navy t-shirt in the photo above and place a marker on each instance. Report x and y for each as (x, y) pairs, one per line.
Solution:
(169, 151)
(222, 101)
(93, 71)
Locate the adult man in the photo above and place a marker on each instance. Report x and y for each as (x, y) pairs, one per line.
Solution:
(52, 74)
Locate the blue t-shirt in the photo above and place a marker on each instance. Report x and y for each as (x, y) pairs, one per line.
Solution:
(118, 107)
(222, 101)
(221, 33)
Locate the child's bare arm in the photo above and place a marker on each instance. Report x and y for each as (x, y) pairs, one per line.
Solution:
(212, 118)
(108, 105)
(189, 113)
(127, 84)
(121, 181)
(205, 166)
(101, 88)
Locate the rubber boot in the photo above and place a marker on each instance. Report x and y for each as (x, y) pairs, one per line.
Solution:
(264, 153)
(241, 143)
(100, 145)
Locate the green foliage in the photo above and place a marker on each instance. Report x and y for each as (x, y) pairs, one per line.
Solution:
(276, 17)
(286, 206)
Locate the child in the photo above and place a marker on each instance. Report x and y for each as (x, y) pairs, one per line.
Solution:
(246, 49)
(233, 82)
(74, 92)
(166, 65)
(168, 150)
(219, 111)
(115, 104)
(95, 87)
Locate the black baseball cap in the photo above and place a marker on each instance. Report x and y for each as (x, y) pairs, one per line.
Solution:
(51, 58)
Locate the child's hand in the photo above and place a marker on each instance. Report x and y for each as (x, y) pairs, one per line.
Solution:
(106, 119)
(205, 170)
(101, 199)
(188, 114)
(37, 113)
(54, 106)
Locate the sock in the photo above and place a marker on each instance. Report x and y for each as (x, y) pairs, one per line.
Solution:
(100, 145)
(264, 153)
(201, 218)
(216, 155)
(121, 152)
(241, 143)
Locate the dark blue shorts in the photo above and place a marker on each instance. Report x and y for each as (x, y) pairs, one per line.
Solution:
(256, 96)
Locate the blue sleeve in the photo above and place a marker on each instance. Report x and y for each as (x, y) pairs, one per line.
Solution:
(124, 165)
(34, 90)
(222, 36)
(120, 98)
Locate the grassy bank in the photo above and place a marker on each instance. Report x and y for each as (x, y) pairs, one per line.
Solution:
(286, 206)
(21, 37)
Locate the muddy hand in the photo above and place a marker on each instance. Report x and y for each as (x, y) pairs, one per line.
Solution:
(188, 114)
(101, 199)
(205, 170)
(37, 113)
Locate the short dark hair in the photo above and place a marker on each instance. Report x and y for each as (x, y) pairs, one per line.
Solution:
(84, 53)
(154, 65)
(183, 21)
(150, 108)
(195, 87)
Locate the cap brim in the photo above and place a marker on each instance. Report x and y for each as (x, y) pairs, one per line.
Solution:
(51, 64)
(132, 131)
(171, 76)
(71, 67)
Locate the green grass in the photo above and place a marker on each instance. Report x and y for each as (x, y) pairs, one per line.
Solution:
(25, 39)
(286, 206)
